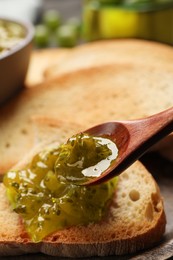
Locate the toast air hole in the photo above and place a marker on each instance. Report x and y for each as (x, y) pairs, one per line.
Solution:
(149, 212)
(134, 195)
(156, 202)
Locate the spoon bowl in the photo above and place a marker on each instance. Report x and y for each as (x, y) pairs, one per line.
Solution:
(132, 138)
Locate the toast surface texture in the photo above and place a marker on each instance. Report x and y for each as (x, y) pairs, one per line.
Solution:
(112, 52)
(135, 221)
(41, 60)
(48, 130)
(87, 97)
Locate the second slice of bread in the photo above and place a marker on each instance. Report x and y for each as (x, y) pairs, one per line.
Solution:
(86, 97)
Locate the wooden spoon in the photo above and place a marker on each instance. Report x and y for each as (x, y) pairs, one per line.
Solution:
(132, 138)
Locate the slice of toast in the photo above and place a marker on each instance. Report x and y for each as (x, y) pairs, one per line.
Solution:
(17, 139)
(108, 52)
(40, 61)
(47, 129)
(86, 97)
(134, 221)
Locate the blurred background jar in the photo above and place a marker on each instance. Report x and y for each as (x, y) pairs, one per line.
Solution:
(144, 19)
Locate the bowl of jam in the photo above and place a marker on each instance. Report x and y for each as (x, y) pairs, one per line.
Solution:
(15, 49)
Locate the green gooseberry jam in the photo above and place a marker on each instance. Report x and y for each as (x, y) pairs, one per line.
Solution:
(11, 34)
(47, 194)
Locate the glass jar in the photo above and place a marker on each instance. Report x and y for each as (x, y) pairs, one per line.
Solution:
(107, 19)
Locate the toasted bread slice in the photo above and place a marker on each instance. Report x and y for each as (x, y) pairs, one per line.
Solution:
(16, 140)
(108, 52)
(40, 61)
(42, 130)
(47, 129)
(134, 221)
(86, 97)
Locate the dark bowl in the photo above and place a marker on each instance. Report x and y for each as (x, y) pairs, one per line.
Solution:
(14, 62)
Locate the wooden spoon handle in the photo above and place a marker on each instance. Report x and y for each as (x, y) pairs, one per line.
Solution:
(133, 139)
(151, 129)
